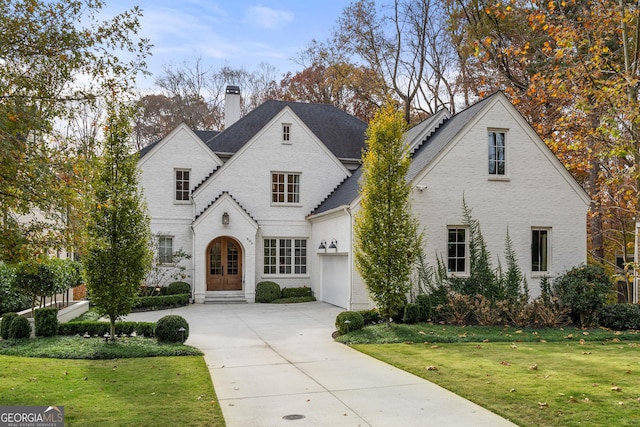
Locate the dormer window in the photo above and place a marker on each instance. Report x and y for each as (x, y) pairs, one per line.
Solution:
(286, 133)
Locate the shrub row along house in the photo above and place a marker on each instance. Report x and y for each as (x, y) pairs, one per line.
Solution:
(273, 197)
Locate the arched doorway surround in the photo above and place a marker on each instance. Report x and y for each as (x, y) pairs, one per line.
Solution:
(224, 265)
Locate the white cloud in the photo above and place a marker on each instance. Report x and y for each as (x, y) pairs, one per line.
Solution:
(266, 17)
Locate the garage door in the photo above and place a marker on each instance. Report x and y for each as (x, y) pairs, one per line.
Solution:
(335, 280)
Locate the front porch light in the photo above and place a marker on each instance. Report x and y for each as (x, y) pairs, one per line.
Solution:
(225, 219)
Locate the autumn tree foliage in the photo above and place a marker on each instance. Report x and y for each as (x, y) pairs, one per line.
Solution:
(387, 241)
(56, 57)
(571, 68)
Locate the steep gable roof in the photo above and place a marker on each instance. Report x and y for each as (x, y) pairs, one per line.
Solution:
(441, 129)
(340, 132)
(204, 135)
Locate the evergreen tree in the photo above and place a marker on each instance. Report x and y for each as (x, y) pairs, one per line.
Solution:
(387, 241)
(118, 253)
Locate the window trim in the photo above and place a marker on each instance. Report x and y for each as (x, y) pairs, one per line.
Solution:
(276, 262)
(285, 189)
(161, 256)
(505, 161)
(539, 272)
(286, 133)
(466, 258)
(175, 187)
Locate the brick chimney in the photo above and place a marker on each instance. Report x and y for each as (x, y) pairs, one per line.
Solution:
(231, 105)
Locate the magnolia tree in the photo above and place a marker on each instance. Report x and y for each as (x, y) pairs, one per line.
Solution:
(387, 241)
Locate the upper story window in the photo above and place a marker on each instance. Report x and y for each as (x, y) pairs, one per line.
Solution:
(165, 250)
(497, 153)
(457, 250)
(182, 184)
(285, 187)
(286, 132)
(540, 250)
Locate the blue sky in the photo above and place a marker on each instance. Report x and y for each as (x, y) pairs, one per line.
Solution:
(239, 33)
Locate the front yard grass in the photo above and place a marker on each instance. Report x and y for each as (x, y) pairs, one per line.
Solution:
(568, 378)
(117, 392)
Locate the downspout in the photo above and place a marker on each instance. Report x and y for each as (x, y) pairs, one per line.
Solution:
(351, 262)
(193, 250)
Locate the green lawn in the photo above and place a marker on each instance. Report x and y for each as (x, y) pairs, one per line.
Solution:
(569, 378)
(155, 391)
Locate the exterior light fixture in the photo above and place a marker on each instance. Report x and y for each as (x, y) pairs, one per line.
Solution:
(225, 218)
(334, 244)
(323, 245)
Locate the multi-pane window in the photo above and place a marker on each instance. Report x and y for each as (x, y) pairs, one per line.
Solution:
(182, 184)
(457, 250)
(286, 132)
(270, 256)
(497, 153)
(540, 250)
(285, 187)
(285, 256)
(165, 250)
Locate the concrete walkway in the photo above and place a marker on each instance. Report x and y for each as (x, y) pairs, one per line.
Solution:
(277, 365)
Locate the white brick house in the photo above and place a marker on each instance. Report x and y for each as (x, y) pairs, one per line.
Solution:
(273, 196)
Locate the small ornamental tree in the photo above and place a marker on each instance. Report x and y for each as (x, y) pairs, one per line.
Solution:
(387, 241)
(118, 252)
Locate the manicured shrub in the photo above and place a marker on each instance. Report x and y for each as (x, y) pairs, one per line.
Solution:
(370, 317)
(163, 301)
(583, 290)
(19, 328)
(620, 317)
(168, 329)
(11, 299)
(349, 321)
(7, 318)
(176, 288)
(411, 313)
(46, 322)
(296, 292)
(267, 292)
(98, 329)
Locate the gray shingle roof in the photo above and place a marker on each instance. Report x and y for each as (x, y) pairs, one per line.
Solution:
(348, 191)
(340, 132)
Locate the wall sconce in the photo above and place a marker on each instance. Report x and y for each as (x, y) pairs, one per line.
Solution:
(334, 244)
(225, 219)
(323, 245)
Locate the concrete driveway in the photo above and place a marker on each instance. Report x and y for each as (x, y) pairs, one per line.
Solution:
(277, 365)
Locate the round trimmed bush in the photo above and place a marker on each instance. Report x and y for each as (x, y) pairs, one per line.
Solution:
(370, 317)
(349, 321)
(19, 328)
(168, 329)
(178, 288)
(267, 292)
(7, 318)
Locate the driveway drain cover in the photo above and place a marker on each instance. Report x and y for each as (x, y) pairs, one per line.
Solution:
(293, 417)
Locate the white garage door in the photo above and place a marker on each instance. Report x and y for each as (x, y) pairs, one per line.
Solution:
(335, 280)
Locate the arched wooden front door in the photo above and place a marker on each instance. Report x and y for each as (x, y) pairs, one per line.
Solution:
(224, 265)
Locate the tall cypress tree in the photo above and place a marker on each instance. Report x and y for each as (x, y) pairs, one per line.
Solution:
(118, 252)
(387, 241)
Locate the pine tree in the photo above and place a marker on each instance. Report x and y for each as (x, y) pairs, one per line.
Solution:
(387, 241)
(118, 254)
